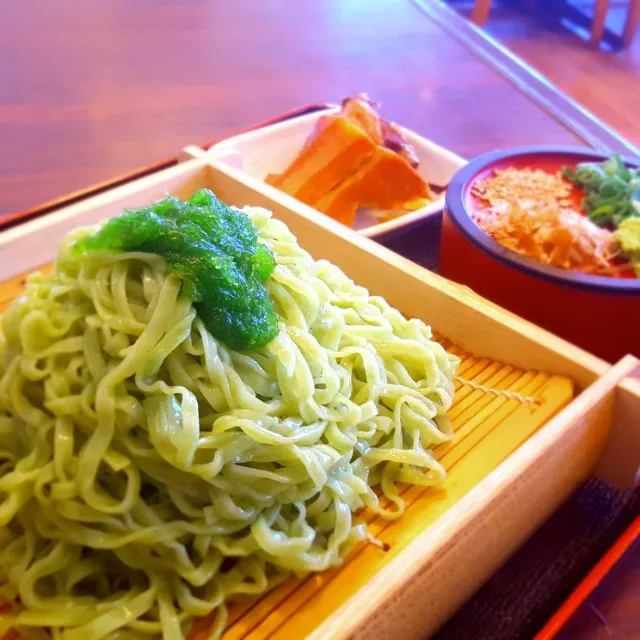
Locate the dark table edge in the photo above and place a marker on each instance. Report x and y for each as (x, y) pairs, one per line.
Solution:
(591, 582)
(591, 129)
(525, 78)
(575, 117)
(14, 219)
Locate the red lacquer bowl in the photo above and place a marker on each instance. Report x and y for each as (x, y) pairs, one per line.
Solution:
(599, 314)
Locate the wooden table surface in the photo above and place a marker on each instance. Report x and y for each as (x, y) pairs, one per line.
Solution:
(92, 90)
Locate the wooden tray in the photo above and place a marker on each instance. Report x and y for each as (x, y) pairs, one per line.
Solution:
(271, 149)
(512, 461)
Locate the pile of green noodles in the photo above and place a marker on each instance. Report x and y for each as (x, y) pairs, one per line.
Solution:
(149, 474)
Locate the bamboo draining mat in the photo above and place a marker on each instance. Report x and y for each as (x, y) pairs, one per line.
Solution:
(10, 289)
(488, 428)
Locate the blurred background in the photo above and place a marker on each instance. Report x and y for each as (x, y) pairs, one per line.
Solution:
(589, 48)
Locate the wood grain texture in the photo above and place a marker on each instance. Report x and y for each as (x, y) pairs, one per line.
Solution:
(90, 91)
(538, 87)
(606, 83)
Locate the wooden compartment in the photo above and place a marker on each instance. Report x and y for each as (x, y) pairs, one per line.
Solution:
(270, 148)
(555, 414)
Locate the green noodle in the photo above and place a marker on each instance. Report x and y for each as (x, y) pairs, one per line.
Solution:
(149, 474)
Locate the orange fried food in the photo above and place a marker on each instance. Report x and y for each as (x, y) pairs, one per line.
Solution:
(382, 183)
(336, 148)
(355, 159)
(362, 112)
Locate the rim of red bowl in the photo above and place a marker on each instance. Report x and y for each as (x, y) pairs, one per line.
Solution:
(457, 212)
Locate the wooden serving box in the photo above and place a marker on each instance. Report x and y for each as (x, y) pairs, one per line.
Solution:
(516, 464)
